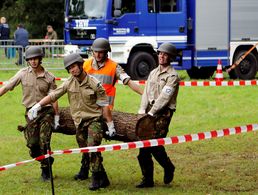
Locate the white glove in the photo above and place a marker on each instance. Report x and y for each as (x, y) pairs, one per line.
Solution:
(56, 121)
(33, 112)
(111, 129)
(141, 111)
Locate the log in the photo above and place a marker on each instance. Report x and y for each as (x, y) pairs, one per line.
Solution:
(129, 127)
(125, 125)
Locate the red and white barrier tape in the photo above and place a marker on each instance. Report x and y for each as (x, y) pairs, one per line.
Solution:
(2, 83)
(61, 79)
(191, 83)
(208, 83)
(218, 83)
(199, 83)
(145, 143)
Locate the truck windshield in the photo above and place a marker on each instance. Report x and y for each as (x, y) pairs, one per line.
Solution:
(92, 9)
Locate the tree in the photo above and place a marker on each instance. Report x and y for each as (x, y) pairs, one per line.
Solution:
(35, 15)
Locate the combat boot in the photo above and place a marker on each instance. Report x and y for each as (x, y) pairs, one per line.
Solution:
(95, 181)
(104, 181)
(169, 170)
(147, 172)
(161, 156)
(145, 183)
(46, 168)
(84, 170)
(45, 174)
(83, 173)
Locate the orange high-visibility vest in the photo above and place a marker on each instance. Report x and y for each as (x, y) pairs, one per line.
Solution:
(106, 75)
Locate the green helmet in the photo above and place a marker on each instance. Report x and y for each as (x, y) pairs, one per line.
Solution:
(33, 51)
(101, 44)
(168, 48)
(71, 59)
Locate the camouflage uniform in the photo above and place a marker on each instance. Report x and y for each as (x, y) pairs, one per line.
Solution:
(89, 133)
(86, 99)
(38, 131)
(159, 98)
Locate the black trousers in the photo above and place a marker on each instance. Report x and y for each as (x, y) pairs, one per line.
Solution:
(158, 152)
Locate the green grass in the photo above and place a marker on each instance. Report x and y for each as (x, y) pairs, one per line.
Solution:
(227, 165)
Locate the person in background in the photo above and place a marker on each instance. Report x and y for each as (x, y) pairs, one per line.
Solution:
(50, 40)
(159, 98)
(51, 34)
(107, 71)
(89, 109)
(4, 33)
(21, 38)
(36, 83)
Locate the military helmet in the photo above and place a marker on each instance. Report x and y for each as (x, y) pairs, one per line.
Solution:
(101, 44)
(33, 51)
(168, 48)
(71, 59)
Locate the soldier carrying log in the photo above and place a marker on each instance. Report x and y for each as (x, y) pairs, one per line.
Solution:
(36, 83)
(88, 106)
(159, 98)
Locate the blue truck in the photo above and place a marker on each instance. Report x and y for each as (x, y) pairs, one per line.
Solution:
(203, 31)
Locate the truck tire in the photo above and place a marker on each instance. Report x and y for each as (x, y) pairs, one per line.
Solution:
(140, 65)
(247, 69)
(201, 73)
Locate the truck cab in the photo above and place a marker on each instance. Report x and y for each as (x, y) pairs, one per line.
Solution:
(134, 29)
(204, 32)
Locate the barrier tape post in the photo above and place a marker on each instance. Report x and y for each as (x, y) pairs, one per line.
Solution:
(145, 143)
(50, 170)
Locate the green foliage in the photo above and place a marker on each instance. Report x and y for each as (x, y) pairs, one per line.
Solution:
(227, 165)
(35, 15)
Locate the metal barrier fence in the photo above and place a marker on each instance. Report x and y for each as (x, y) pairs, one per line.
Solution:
(12, 56)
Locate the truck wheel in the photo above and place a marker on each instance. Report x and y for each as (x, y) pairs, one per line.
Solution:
(201, 73)
(140, 65)
(247, 69)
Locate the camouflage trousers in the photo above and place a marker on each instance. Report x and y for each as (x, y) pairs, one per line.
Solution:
(90, 133)
(38, 133)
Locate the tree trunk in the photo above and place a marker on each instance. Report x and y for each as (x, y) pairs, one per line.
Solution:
(125, 125)
(129, 127)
